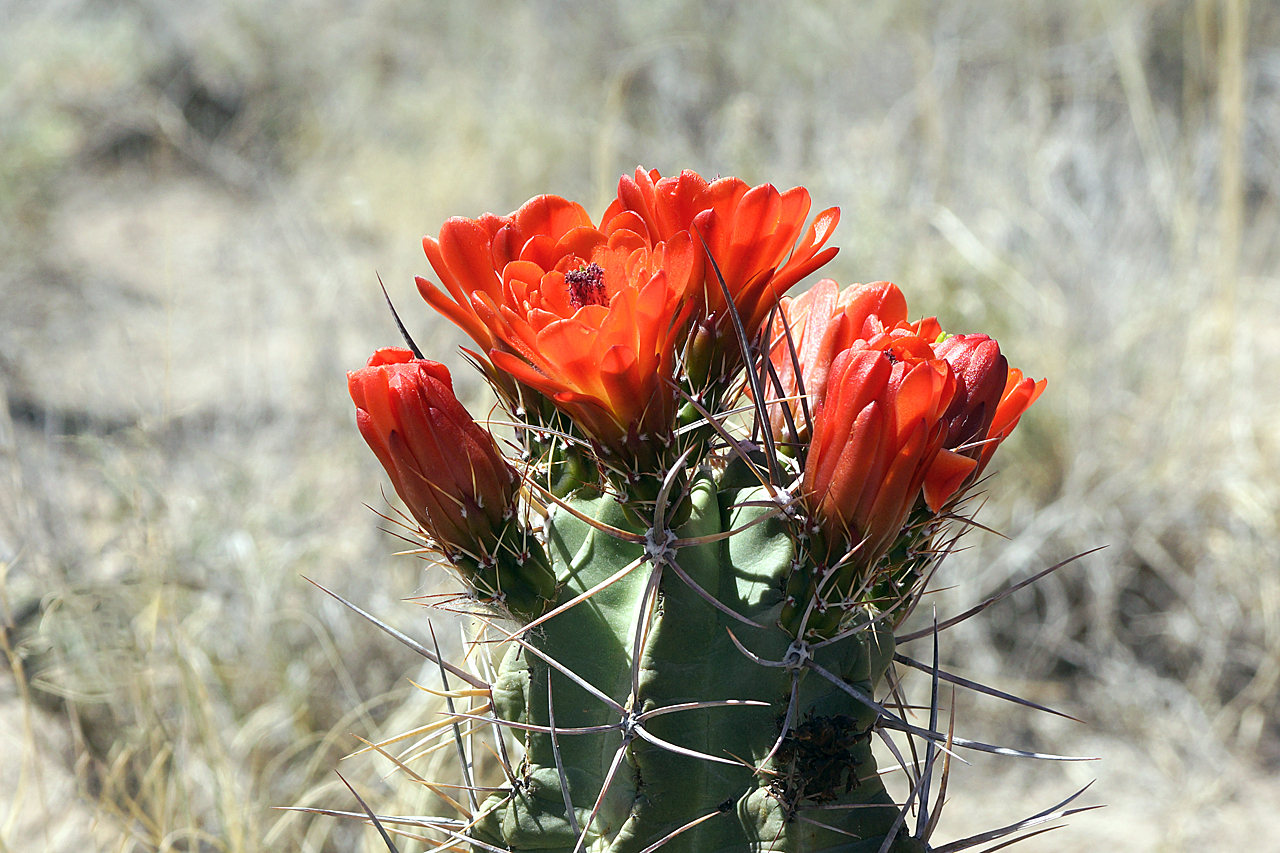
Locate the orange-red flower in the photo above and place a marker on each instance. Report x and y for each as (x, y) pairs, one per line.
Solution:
(471, 254)
(1019, 393)
(598, 334)
(991, 398)
(445, 467)
(588, 316)
(756, 235)
(592, 316)
(878, 442)
(822, 322)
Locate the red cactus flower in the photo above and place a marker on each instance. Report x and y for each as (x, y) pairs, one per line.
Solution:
(589, 317)
(822, 322)
(1019, 393)
(753, 233)
(982, 372)
(471, 255)
(877, 440)
(598, 333)
(991, 398)
(443, 465)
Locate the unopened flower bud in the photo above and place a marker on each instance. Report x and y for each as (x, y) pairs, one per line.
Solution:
(989, 401)
(981, 372)
(699, 349)
(444, 466)
(875, 441)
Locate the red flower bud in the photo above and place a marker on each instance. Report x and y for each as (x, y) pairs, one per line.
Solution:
(823, 322)
(981, 372)
(444, 466)
(989, 401)
(876, 442)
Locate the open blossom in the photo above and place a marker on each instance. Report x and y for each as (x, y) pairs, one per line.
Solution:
(470, 255)
(443, 465)
(756, 236)
(590, 317)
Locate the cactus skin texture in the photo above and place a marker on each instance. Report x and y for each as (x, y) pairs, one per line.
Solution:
(695, 567)
(689, 656)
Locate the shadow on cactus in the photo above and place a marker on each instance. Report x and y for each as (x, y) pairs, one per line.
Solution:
(719, 506)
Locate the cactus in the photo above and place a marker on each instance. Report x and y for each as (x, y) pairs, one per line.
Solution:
(720, 505)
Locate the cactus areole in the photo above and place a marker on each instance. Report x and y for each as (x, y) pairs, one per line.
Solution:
(689, 559)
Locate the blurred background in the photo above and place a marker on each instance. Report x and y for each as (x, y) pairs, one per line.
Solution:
(196, 199)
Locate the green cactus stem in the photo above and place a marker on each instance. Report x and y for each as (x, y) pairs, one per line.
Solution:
(652, 772)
